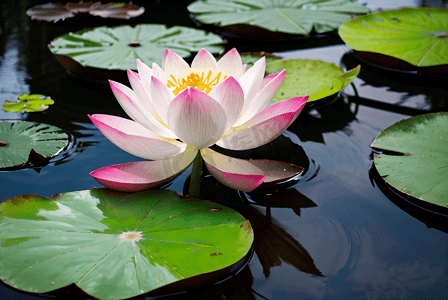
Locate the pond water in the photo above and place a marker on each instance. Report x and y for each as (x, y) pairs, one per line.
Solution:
(333, 235)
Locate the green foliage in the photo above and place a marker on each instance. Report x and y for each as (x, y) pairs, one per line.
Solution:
(28, 103)
(418, 36)
(118, 48)
(422, 169)
(290, 16)
(315, 78)
(116, 245)
(17, 140)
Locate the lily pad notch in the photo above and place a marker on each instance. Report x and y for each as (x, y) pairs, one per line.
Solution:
(25, 144)
(91, 238)
(414, 160)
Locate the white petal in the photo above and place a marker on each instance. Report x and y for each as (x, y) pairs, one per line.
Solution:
(160, 74)
(231, 64)
(196, 118)
(251, 81)
(125, 97)
(173, 64)
(140, 91)
(230, 95)
(161, 97)
(204, 60)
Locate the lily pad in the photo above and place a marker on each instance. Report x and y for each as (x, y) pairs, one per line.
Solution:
(28, 103)
(418, 36)
(415, 158)
(23, 142)
(289, 16)
(316, 78)
(52, 12)
(118, 48)
(116, 245)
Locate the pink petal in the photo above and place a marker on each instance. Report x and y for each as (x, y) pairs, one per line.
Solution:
(275, 171)
(140, 91)
(172, 63)
(262, 98)
(244, 69)
(268, 79)
(251, 80)
(143, 175)
(230, 95)
(125, 97)
(161, 97)
(238, 174)
(136, 139)
(204, 60)
(264, 127)
(196, 118)
(231, 64)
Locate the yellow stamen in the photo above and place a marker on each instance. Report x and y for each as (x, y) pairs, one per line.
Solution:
(195, 79)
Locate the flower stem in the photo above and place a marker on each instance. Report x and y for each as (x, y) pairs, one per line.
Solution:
(195, 180)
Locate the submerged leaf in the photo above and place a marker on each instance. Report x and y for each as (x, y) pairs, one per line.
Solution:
(316, 78)
(421, 171)
(116, 245)
(118, 48)
(22, 139)
(418, 36)
(28, 103)
(289, 16)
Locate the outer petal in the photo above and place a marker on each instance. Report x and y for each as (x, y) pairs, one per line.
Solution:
(125, 97)
(140, 91)
(172, 63)
(262, 98)
(161, 97)
(204, 60)
(143, 175)
(238, 174)
(196, 118)
(230, 95)
(136, 139)
(265, 126)
(251, 80)
(231, 64)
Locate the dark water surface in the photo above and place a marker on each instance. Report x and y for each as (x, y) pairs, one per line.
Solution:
(333, 235)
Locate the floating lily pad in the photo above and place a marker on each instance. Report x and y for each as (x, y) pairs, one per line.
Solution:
(316, 78)
(415, 158)
(418, 36)
(23, 142)
(116, 245)
(118, 48)
(288, 16)
(28, 103)
(51, 12)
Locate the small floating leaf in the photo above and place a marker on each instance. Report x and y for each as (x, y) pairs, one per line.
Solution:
(421, 171)
(28, 103)
(418, 36)
(28, 142)
(116, 245)
(118, 48)
(304, 77)
(290, 16)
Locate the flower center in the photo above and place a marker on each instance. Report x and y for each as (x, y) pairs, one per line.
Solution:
(131, 236)
(203, 80)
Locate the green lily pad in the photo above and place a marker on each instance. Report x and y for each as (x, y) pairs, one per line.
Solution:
(315, 78)
(415, 161)
(24, 141)
(117, 48)
(28, 103)
(289, 16)
(116, 245)
(418, 36)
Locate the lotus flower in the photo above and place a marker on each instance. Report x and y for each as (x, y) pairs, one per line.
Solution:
(180, 111)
